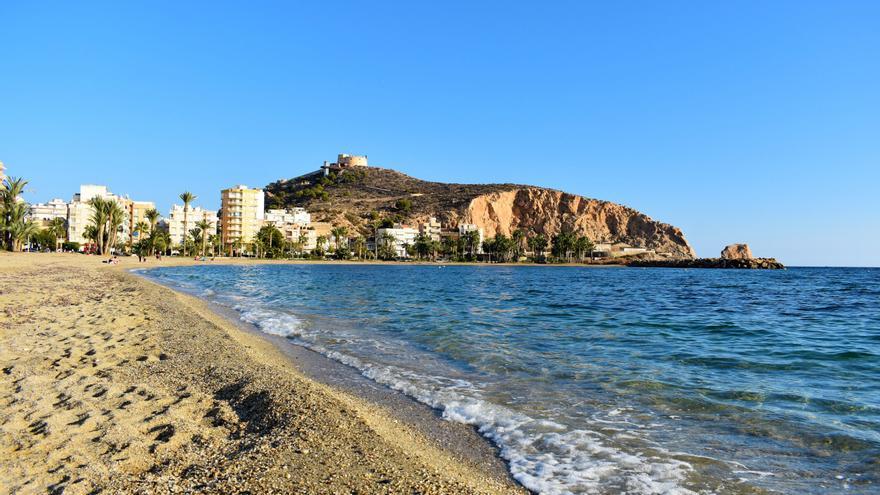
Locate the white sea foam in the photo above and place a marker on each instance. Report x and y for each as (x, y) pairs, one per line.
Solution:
(545, 456)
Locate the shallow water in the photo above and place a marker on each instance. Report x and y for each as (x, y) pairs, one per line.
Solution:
(605, 380)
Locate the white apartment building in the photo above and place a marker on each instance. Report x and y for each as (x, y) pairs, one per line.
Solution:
(464, 228)
(80, 211)
(46, 212)
(402, 235)
(195, 215)
(293, 216)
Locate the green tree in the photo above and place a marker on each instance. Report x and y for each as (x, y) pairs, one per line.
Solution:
(339, 234)
(403, 205)
(583, 246)
(205, 226)
(519, 243)
(187, 198)
(563, 245)
(152, 216)
(385, 246)
(13, 213)
(98, 219)
(360, 247)
(320, 243)
(58, 227)
(471, 240)
(538, 244)
(422, 246)
(272, 240)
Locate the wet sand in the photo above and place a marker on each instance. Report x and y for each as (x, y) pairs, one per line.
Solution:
(110, 383)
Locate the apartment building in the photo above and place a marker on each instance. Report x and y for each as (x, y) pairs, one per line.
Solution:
(431, 228)
(293, 216)
(195, 215)
(241, 215)
(44, 213)
(80, 211)
(401, 237)
(464, 228)
(137, 212)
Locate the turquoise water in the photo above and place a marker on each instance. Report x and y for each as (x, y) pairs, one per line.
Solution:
(605, 380)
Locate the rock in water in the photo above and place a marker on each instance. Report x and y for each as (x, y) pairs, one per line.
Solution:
(737, 252)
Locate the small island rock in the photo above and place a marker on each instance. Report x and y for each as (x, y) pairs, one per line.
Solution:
(737, 252)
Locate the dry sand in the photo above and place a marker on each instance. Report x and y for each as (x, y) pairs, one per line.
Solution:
(110, 383)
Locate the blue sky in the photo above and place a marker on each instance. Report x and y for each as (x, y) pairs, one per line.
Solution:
(752, 122)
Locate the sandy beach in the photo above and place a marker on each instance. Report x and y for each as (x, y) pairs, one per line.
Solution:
(110, 383)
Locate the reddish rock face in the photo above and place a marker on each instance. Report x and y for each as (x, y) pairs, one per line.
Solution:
(737, 252)
(549, 212)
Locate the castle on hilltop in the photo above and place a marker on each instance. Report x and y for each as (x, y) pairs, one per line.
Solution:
(344, 161)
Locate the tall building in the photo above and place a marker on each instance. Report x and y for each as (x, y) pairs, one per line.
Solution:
(80, 211)
(2, 172)
(195, 215)
(241, 215)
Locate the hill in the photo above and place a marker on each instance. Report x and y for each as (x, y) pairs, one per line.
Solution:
(357, 197)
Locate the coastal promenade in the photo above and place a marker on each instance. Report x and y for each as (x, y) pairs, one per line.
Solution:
(109, 382)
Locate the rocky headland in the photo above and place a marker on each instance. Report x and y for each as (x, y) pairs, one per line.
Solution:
(356, 198)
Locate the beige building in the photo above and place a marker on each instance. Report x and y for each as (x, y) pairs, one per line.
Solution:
(194, 216)
(137, 212)
(241, 215)
(431, 228)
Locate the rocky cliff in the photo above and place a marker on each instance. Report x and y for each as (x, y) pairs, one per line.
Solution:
(356, 197)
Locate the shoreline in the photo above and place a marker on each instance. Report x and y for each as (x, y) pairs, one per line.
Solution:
(113, 382)
(462, 441)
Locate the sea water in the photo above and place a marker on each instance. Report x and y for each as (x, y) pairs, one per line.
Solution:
(614, 380)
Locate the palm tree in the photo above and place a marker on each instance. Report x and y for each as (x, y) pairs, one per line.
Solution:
(152, 215)
(159, 241)
(58, 228)
(196, 234)
(303, 241)
(214, 241)
(115, 219)
(187, 198)
(387, 241)
(12, 211)
(339, 233)
(204, 225)
(360, 246)
(21, 231)
(99, 221)
(141, 229)
(471, 241)
(319, 244)
(258, 247)
(519, 240)
(538, 244)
